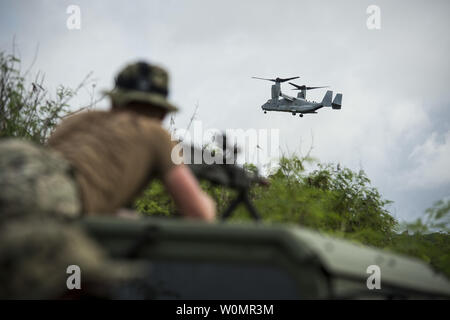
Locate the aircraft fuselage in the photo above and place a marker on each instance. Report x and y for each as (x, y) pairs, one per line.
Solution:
(297, 106)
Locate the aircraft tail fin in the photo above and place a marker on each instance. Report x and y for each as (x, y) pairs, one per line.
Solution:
(326, 101)
(337, 102)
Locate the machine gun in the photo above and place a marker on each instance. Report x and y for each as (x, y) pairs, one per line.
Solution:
(228, 174)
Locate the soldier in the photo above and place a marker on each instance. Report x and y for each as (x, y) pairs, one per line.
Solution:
(99, 161)
(116, 153)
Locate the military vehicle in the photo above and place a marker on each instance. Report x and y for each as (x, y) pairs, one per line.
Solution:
(196, 260)
(298, 104)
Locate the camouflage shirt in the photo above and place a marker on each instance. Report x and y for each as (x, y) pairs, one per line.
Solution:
(115, 155)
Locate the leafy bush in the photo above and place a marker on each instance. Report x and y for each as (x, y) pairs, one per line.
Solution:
(26, 109)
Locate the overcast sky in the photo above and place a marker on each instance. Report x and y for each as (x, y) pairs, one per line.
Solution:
(394, 122)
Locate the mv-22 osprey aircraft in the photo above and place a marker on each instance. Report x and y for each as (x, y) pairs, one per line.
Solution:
(297, 104)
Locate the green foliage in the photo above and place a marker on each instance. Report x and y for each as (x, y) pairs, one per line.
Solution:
(155, 201)
(328, 199)
(353, 197)
(428, 237)
(27, 110)
(436, 218)
(433, 248)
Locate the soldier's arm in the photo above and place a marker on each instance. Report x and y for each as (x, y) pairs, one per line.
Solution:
(187, 194)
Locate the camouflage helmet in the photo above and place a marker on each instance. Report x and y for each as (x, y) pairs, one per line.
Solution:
(142, 82)
(36, 257)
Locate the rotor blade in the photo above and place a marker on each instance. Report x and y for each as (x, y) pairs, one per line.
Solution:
(277, 80)
(297, 87)
(286, 79)
(310, 88)
(273, 80)
(303, 87)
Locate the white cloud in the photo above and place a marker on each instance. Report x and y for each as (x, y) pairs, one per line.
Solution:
(432, 163)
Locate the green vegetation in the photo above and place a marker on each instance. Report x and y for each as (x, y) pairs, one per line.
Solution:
(27, 109)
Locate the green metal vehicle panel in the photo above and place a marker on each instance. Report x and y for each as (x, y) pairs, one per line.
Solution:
(196, 260)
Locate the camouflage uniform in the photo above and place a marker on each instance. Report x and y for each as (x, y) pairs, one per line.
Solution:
(34, 262)
(35, 181)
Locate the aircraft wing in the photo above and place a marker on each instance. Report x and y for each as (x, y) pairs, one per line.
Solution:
(287, 97)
